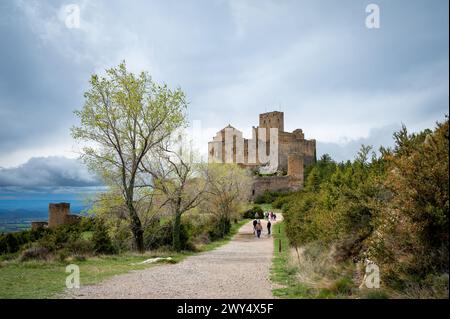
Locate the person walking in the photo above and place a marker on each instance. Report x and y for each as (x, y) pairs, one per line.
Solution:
(258, 229)
(269, 225)
(254, 226)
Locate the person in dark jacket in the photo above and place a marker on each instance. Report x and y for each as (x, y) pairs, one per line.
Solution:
(258, 229)
(269, 226)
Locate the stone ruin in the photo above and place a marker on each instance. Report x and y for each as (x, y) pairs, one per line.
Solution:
(58, 214)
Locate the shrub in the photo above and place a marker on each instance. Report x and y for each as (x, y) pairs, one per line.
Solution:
(62, 255)
(160, 235)
(101, 241)
(86, 224)
(221, 229)
(342, 286)
(79, 258)
(265, 197)
(269, 196)
(34, 253)
(80, 246)
(252, 212)
(281, 201)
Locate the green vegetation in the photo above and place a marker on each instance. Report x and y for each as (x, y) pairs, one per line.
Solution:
(45, 278)
(391, 210)
(297, 277)
(268, 197)
(251, 213)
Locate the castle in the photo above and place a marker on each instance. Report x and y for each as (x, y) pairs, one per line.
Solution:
(58, 214)
(290, 150)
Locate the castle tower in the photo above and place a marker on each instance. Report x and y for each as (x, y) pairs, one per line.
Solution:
(58, 213)
(272, 120)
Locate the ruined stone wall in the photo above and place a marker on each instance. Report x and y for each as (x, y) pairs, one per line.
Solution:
(295, 165)
(270, 183)
(36, 225)
(294, 143)
(275, 183)
(57, 213)
(272, 120)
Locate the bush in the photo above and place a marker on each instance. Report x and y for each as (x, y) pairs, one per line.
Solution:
(41, 253)
(269, 197)
(281, 201)
(80, 246)
(221, 229)
(62, 255)
(86, 224)
(101, 241)
(160, 234)
(266, 197)
(252, 212)
(342, 286)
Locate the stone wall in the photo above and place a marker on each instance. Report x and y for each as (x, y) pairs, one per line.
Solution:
(57, 213)
(36, 225)
(272, 120)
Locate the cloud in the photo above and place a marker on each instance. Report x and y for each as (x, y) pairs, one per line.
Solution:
(48, 172)
(347, 150)
(332, 77)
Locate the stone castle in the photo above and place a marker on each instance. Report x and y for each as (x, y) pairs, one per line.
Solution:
(58, 214)
(292, 151)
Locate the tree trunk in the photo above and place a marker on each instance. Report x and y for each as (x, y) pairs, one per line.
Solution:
(136, 228)
(176, 240)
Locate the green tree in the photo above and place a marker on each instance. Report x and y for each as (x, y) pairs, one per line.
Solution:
(176, 180)
(228, 187)
(124, 118)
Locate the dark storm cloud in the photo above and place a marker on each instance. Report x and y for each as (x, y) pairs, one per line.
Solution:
(53, 172)
(331, 75)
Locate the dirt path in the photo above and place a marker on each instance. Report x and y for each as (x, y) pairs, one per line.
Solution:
(239, 269)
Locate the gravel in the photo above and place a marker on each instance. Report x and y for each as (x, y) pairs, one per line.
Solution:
(238, 269)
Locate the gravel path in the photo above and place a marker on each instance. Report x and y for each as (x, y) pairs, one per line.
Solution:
(239, 269)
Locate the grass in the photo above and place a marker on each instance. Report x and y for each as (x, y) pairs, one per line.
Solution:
(324, 281)
(46, 279)
(281, 272)
(284, 273)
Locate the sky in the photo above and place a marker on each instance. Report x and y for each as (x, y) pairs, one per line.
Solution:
(341, 82)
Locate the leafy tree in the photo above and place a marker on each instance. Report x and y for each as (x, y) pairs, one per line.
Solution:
(176, 179)
(228, 187)
(124, 118)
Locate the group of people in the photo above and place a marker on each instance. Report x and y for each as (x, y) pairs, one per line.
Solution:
(270, 216)
(257, 226)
